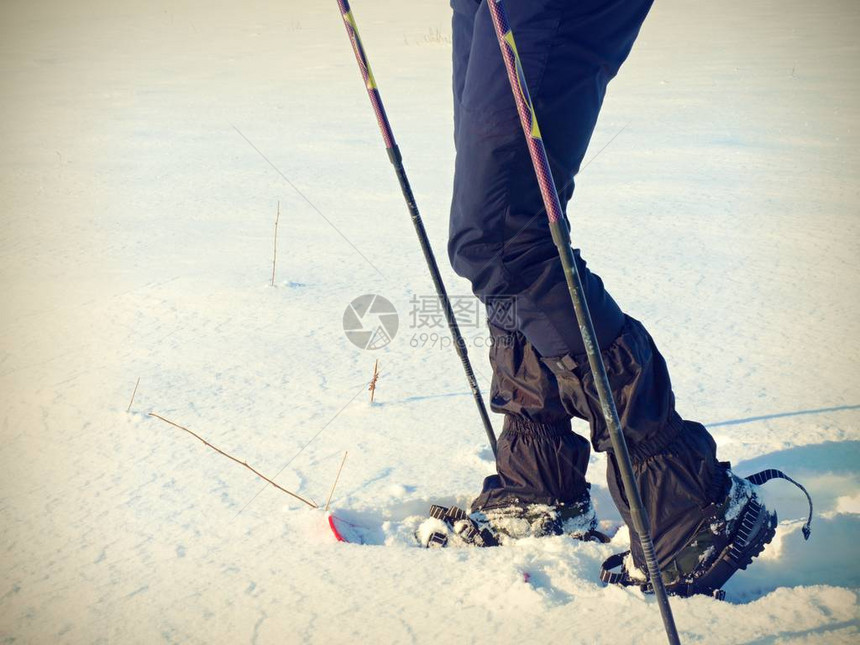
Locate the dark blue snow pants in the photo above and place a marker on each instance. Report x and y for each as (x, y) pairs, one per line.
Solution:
(500, 241)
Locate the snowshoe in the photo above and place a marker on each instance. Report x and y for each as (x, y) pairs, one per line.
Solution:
(491, 527)
(452, 524)
(730, 536)
(577, 520)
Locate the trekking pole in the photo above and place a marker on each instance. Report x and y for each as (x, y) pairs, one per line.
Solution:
(397, 161)
(561, 238)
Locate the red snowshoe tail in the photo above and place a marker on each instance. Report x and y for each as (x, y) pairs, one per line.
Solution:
(346, 531)
(333, 525)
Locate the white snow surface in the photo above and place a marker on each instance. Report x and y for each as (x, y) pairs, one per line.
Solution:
(719, 204)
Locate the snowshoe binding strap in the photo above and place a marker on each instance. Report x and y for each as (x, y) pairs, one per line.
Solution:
(621, 577)
(771, 473)
(462, 525)
(756, 529)
(594, 536)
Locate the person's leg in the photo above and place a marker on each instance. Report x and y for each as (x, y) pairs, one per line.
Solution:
(674, 461)
(499, 235)
(540, 460)
(462, 26)
(500, 241)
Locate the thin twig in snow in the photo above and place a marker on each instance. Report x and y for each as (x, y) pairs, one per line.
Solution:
(333, 486)
(241, 463)
(373, 381)
(301, 450)
(275, 257)
(132, 395)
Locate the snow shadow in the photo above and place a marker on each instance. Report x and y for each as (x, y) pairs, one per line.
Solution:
(780, 415)
(426, 397)
(831, 473)
(828, 558)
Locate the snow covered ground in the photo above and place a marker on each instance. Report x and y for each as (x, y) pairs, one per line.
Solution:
(136, 232)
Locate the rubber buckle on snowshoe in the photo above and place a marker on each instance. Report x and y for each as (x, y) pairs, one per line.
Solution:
(462, 525)
(615, 578)
(438, 512)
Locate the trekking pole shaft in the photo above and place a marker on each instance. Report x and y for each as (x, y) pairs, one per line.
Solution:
(561, 238)
(397, 161)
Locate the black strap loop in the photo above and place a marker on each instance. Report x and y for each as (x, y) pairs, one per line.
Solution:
(620, 578)
(771, 473)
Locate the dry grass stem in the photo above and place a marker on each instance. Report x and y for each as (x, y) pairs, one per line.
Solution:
(241, 463)
(132, 395)
(333, 486)
(374, 380)
(275, 256)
